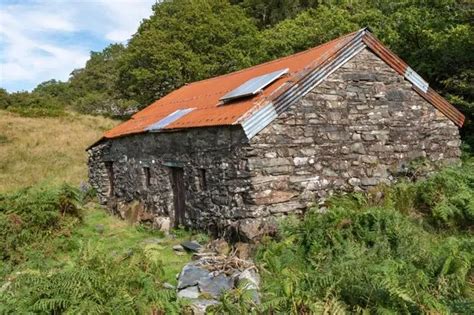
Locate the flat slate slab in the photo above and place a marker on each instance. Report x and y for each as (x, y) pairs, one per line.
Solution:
(189, 293)
(215, 286)
(192, 246)
(190, 276)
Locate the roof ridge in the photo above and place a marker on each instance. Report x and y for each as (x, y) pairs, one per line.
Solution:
(273, 60)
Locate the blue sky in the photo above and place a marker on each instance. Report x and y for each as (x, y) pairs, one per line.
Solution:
(47, 39)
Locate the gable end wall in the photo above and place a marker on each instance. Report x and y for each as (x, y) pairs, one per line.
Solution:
(358, 128)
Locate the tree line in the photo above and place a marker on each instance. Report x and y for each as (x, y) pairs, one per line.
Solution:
(188, 40)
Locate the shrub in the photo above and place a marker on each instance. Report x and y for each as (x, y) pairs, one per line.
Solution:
(34, 105)
(447, 197)
(405, 249)
(369, 259)
(96, 283)
(33, 214)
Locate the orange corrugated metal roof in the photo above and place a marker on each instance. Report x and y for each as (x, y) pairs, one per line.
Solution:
(204, 95)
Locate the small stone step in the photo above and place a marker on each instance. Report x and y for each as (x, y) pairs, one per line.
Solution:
(192, 246)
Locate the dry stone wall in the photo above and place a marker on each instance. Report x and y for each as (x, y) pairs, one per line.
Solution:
(213, 153)
(362, 126)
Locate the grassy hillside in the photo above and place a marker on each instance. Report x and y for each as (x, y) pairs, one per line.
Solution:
(59, 250)
(49, 149)
(404, 249)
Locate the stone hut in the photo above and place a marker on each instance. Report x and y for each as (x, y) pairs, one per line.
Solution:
(230, 153)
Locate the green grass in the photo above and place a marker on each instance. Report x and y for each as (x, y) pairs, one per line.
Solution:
(61, 255)
(108, 235)
(118, 236)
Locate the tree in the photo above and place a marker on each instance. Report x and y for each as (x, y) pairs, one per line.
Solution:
(54, 88)
(94, 87)
(185, 41)
(4, 99)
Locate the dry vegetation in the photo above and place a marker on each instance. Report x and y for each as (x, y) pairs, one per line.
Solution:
(50, 150)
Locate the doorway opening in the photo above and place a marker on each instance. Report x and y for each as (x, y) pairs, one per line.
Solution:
(179, 195)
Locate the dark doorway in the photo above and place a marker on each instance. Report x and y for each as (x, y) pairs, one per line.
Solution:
(177, 183)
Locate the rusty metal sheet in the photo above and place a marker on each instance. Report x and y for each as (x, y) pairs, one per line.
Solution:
(304, 69)
(204, 95)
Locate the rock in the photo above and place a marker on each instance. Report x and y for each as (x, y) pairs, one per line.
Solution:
(162, 223)
(192, 246)
(354, 181)
(215, 286)
(200, 306)
(197, 256)
(250, 280)
(220, 246)
(254, 229)
(250, 277)
(189, 293)
(242, 250)
(369, 181)
(168, 286)
(273, 196)
(358, 148)
(369, 159)
(190, 275)
(178, 248)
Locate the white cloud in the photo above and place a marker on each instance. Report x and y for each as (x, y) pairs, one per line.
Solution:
(41, 40)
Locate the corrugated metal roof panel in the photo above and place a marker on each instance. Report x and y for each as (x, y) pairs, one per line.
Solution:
(205, 96)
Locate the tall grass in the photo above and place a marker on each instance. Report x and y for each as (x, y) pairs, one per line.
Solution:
(48, 149)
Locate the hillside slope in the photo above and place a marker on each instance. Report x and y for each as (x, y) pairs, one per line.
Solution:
(50, 149)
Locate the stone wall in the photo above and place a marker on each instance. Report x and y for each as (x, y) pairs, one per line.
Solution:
(360, 127)
(217, 151)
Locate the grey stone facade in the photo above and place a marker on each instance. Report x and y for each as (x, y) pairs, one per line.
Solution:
(358, 128)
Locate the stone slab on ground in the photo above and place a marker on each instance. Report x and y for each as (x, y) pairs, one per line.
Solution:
(215, 286)
(189, 293)
(192, 246)
(190, 275)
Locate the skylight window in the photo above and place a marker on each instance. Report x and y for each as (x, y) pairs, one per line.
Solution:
(254, 86)
(169, 119)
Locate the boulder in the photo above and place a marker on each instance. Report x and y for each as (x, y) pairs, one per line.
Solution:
(190, 275)
(191, 246)
(250, 280)
(252, 230)
(162, 223)
(242, 250)
(215, 286)
(220, 246)
(178, 248)
(189, 293)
